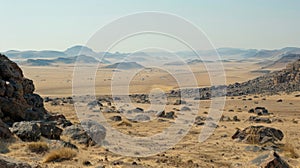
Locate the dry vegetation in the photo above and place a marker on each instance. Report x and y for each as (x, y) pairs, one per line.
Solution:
(38, 147)
(59, 155)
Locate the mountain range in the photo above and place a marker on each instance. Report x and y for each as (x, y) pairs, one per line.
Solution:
(266, 58)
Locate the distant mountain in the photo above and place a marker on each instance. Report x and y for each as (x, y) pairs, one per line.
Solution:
(80, 50)
(70, 60)
(196, 61)
(276, 54)
(37, 62)
(237, 52)
(225, 53)
(13, 54)
(282, 62)
(125, 66)
(158, 57)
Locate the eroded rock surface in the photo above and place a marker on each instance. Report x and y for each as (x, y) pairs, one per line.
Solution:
(17, 100)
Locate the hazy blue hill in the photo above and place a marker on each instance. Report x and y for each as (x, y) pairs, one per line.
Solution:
(225, 53)
(196, 61)
(162, 57)
(276, 54)
(34, 54)
(80, 50)
(37, 62)
(282, 62)
(70, 60)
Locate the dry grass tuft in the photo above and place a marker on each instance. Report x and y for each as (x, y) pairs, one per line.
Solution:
(59, 155)
(38, 147)
(125, 123)
(290, 150)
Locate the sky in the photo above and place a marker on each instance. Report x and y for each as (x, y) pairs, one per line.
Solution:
(59, 24)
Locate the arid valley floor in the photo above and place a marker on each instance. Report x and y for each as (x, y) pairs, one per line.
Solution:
(220, 150)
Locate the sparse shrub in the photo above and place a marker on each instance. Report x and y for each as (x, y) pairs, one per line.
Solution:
(290, 150)
(59, 155)
(38, 147)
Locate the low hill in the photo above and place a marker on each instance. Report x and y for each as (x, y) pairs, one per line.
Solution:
(283, 61)
(69, 60)
(125, 65)
(286, 80)
(196, 61)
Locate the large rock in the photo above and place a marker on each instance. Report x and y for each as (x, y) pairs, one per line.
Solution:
(58, 144)
(141, 118)
(17, 100)
(59, 120)
(88, 132)
(77, 133)
(96, 131)
(50, 131)
(258, 135)
(6, 162)
(270, 160)
(27, 131)
(4, 131)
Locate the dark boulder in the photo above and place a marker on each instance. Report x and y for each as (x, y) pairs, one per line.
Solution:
(170, 115)
(261, 111)
(77, 133)
(59, 120)
(50, 131)
(27, 131)
(95, 130)
(116, 118)
(270, 160)
(4, 131)
(89, 132)
(258, 135)
(259, 119)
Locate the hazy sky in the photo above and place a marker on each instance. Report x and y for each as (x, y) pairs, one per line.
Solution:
(59, 24)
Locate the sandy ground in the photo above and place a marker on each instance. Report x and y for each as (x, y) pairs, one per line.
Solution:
(57, 80)
(217, 151)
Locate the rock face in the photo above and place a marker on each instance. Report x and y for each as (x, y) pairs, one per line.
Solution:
(17, 100)
(9, 163)
(258, 135)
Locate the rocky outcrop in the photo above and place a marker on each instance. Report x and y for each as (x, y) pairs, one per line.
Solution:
(258, 135)
(17, 100)
(24, 110)
(286, 80)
